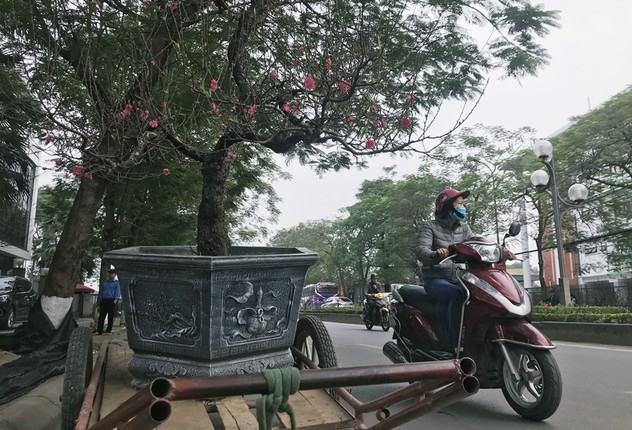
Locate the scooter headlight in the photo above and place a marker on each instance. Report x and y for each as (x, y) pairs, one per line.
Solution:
(489, 252)
(524, 308)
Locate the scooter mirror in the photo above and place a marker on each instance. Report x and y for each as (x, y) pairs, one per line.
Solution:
(514, 229)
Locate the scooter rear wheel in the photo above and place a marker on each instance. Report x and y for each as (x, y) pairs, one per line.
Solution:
(538, 392)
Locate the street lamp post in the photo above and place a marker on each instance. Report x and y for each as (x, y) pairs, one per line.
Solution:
(577, 193)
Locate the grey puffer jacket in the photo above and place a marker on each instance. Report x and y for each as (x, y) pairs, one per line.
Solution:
(435, 234)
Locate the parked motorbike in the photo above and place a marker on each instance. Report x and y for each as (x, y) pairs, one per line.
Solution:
(376, 311)
(510, 353)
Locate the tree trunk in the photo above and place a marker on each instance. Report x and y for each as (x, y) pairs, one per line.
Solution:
(212, 236)
(65, 267)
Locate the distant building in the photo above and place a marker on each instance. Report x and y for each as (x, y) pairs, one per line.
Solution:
(16, 227)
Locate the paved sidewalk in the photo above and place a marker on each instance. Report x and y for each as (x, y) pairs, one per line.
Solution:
(40, 408)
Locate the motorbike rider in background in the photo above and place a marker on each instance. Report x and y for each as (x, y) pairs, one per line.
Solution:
(372, 287)
(440, 280)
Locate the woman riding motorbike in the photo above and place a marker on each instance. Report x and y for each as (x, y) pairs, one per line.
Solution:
(440, 280)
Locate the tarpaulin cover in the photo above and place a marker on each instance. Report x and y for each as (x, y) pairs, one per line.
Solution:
(42, 350)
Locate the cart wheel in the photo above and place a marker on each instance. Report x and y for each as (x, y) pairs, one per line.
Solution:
(313, 340)
(77, 375)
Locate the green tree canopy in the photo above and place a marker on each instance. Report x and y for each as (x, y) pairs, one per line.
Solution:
(596, 150)
(325, 82)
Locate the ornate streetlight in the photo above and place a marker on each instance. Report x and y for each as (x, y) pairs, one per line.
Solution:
(577, 193)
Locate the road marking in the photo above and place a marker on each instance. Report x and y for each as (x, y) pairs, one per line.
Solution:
(603, 348)
(369, 346)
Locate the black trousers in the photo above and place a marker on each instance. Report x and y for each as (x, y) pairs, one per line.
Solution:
(107, 307)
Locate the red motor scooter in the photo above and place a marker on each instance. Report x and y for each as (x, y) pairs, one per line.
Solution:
(510, 353)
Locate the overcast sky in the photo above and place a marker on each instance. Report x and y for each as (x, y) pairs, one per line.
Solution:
(590, 62)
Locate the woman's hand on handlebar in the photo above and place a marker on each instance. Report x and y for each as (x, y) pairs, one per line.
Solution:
(442, 253)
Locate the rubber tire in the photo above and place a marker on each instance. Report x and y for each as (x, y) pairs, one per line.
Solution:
(386, 321)
(395, 351)
(7, 322)
(77, 375)
(551, 384)
(368, 324)
(310, 327)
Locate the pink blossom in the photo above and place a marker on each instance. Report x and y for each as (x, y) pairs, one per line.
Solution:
(213, 85)
(310, 83)
(173, 6)
(351, 119)
(383, 123)
(409, 98)
(145, 115)
(153, 62)
(274, 74)
(126, 112)
(153, 123)
(57, 161)
(164, 104)
(224, 127)
(48, 138)
(370, 144)
(344, 86)
(296, 61)
(285, 107)
(88, 176)
(405, 122)
(302, 49)
(294, 9)
(231, 155)
(215, 109)
(166, 172)
(78, 170)
(251, 110)
(328, 64)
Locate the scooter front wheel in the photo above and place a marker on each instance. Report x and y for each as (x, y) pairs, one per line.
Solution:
(537, 391)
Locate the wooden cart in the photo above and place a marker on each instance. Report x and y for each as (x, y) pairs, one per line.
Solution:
(101, 397)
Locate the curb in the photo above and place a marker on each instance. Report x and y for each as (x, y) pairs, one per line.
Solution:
(607, 334)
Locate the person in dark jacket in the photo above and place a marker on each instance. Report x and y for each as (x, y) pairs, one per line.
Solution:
(109, 297)
(553, 299)
(440, 281)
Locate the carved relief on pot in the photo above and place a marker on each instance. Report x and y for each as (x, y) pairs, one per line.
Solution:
(159, 317)
(255, 311)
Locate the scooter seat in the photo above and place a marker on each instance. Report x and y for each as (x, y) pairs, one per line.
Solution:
(416, 296)
(412, 293)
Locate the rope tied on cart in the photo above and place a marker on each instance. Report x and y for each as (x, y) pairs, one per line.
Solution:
(281, 383)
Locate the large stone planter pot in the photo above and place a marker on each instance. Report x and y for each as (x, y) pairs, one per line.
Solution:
(189, 316)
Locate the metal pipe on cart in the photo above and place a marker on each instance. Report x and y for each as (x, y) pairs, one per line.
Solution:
(418, 388)
(310, 379)
(151, 417)
(126, 410)
(431, 402)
